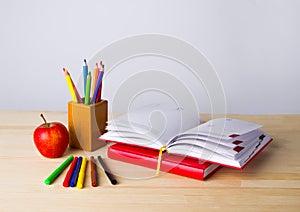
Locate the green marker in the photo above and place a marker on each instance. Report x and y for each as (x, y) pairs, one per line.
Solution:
(59, 170)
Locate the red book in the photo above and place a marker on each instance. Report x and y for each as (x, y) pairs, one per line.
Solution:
(184, 166)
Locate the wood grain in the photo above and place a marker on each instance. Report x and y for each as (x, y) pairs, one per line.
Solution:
(269, 182)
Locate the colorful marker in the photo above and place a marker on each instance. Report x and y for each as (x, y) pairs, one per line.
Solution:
(108, 173)
(59, 170)
(81, 175)
(75, 173)
(93, 172)
(69, 173)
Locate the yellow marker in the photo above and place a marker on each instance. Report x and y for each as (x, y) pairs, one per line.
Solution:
(81, 175)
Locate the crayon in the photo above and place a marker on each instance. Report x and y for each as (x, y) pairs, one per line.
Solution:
(81, 175)
(59, 170)
(69, 173)
(111, 178)
(74, 178)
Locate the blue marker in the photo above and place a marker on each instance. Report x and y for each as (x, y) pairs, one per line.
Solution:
(74, 177)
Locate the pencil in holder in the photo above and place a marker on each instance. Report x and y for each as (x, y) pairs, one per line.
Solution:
(86, 123)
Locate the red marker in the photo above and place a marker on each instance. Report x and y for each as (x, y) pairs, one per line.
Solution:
(69, 174)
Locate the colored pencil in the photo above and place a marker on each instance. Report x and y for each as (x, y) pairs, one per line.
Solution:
(98, 98)
(81, 176)
(74, 87)
(85, 73)
(59, 170)
(88, 89)
(96, 73)
(69, 173)
(93, 172)
(70, 86)
(75, 173)
(108, 173)
(98, 84)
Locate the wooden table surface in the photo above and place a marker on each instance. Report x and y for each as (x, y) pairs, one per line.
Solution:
(270, 182)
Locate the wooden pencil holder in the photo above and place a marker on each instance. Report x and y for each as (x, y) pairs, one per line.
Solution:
(86, 123)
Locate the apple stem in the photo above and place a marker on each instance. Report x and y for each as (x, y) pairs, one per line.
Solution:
(44, 120)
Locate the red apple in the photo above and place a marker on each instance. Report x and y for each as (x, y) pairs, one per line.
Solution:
(51, 139)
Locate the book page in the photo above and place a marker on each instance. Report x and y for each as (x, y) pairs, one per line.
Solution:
(157, 121)
(223, 128)
(218, 155)
(130, 138)
(242, 140)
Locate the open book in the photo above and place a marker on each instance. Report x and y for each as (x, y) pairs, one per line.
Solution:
(224, 141)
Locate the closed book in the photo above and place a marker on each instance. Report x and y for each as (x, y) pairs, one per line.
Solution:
(184, 166)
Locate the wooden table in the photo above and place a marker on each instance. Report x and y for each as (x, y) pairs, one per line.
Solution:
(269, 182)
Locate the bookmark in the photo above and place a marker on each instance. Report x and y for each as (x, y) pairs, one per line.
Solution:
(161, 151)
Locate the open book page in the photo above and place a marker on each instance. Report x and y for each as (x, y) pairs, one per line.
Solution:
(130, 138)
(202, 139)
(233, 149)
(156, 123)
(221, 129)
(217, 155)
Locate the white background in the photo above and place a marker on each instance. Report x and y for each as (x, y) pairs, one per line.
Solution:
(252, 44)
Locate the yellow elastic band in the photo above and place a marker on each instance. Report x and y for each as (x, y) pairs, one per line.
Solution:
(161, 150)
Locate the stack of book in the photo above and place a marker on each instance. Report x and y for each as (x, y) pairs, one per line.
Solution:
(193, 149)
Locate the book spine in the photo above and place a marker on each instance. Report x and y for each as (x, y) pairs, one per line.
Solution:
(166, 166)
